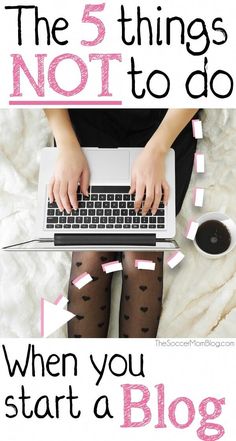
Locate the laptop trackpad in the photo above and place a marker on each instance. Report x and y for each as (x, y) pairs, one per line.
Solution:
(109, 166)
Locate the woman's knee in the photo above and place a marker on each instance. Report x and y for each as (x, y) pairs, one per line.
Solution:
(129, 257)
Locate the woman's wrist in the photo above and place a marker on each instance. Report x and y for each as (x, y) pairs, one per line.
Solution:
(157, 148)
(68, 145)
(67, 141)
(62, 129)
(160, 143)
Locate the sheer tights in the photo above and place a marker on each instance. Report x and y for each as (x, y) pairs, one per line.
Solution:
(141, 297)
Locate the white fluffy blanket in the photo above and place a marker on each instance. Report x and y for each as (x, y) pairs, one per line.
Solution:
(200, 294)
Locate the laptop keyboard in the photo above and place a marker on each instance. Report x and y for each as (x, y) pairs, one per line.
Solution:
(106, 208)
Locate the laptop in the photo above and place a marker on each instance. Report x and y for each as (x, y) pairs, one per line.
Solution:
(105, 220)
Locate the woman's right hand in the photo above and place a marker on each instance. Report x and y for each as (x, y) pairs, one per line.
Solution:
(71, 169)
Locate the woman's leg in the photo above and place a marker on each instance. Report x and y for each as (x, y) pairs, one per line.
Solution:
(91, 304)
(141, 298)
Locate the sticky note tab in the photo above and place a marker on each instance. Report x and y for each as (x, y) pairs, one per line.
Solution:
(82, 280)
(198, 197)
(199, 162)
(197, 128)
(192, 230)
(145, 264)
(175, 259)
(61, 301)
(111, 267)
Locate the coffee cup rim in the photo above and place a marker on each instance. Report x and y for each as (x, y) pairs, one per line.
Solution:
(214, 215)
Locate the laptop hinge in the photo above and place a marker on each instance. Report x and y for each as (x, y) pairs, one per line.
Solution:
(105, 239)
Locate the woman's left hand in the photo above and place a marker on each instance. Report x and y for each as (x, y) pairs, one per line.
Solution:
(148, 178)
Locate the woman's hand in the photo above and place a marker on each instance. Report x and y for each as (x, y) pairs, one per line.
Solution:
(148, 174)
(148, 177)
(71, 168)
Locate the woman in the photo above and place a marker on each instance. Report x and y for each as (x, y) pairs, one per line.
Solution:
(156, 130)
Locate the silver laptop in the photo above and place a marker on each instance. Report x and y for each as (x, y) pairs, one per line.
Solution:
(105, 220)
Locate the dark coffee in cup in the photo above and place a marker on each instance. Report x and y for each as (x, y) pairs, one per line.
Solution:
(213, 237)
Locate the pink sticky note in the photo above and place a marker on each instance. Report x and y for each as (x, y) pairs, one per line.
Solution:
(145, 264)
(82, 280)
(174, 259)
(198, 197)
(111, 267)
(199, 162)
(61, 301)
(197, 128)
(192, 230)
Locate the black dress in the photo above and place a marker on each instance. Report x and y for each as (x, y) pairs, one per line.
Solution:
(134, 127)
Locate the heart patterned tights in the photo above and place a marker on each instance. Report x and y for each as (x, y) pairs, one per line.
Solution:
(141, 297)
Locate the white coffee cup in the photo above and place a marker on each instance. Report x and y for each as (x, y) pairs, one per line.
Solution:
(227, 222)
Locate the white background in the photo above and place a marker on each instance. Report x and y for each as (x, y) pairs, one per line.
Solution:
(194, 372)
(174, 59)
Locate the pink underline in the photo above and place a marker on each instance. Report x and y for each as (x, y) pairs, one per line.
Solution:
(65, 103)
